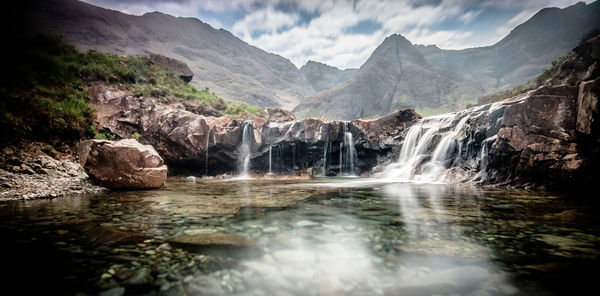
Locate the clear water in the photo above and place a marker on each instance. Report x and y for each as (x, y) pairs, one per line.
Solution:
(312, 237)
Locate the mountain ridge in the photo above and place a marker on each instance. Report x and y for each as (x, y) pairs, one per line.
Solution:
(220, 61)
(472, 73)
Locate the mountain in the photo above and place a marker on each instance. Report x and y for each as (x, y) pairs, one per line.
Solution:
(434, 80)
(525, 52)
(220, 61)
(396, 76)
(322, 77)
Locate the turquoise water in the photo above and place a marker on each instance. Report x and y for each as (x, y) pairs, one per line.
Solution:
(303, 237)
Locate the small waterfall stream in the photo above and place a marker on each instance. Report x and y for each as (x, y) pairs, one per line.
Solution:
(324, 168)
(270, 159)
(245, 150)
(350, 152)
(206, 156)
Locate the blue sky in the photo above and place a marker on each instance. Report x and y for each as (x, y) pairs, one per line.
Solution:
(343, 33)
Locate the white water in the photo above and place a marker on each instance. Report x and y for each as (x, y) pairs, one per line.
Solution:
(206, 158)
(350, 152)
(270, 160)
(341, 157)
(245, 151)
(324, 169)
(421, 159)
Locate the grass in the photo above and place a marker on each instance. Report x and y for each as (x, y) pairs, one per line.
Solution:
(548, 77)
(44, 97)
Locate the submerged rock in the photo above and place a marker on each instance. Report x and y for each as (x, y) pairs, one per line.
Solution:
(213, 241)
(123, 164)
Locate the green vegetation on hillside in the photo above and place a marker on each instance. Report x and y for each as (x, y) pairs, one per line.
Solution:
(44, 97)
(548, 77)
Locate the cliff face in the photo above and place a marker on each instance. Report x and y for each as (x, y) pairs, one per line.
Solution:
(543, 138)
(184, 139)
(552, 137)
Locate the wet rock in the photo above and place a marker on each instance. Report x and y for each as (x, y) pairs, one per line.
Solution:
(116, 291)
(141, 277)
(184, 138)
(587, 102)
(216, 240)
(123, 164)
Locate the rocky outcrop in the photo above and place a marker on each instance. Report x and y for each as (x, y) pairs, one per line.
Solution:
(278, 114)
(37, 170)
(124, 164)
(184, 138)
(545, 138)
(552, 136)
(174, 66)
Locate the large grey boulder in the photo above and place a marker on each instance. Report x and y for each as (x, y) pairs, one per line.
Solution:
(177, 67)
(125, 164)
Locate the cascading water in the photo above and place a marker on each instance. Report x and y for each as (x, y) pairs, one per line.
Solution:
(341, 157)
(324, 169)
(435, 144)
(270, 160)
(350, 152)
(206, 156)
(245, 150)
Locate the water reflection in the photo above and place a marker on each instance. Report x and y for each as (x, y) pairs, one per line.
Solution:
(326, 237)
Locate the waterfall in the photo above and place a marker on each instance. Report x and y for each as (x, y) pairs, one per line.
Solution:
(206, 156)
(324, 159)
(245, 150)
(341, 157)
(270, 159)
(350, 152)
(435, 144)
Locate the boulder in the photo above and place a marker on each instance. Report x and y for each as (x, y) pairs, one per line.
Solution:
(177, 67)
(212, 240)
(587, 106)
(124, 164)
(277, 114)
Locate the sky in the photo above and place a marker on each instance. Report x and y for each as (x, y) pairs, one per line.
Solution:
(344, 33)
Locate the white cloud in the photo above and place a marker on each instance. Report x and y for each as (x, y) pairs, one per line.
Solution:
(267, 20)
(469, 16)
(443, 39)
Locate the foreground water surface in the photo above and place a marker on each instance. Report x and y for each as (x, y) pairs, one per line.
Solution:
(311, 237)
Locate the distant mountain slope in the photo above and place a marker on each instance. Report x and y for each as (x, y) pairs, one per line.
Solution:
(395, 76)
(435, 80)
(220, 61)
(525, 52)
(323, 77)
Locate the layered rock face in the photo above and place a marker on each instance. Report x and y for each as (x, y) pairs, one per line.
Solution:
(125, 164)
(552, 137)
(185, 139)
